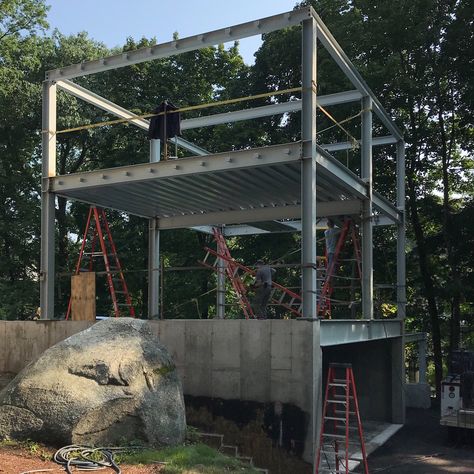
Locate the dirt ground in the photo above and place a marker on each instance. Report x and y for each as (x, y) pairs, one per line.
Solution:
(18, 461)
(422, 446)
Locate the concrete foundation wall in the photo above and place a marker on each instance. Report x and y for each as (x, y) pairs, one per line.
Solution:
(233, 359)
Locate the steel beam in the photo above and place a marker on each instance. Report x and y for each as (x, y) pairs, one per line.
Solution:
(267, 110)
(346, 331)
(114, 109)
(342, 60)
(401, 237)
(367, 231)
(191, 43)
(174, 168)
(257, 215)
(376, 141)
(47, 201)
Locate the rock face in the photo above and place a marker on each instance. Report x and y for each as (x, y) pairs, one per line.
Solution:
(107, 385)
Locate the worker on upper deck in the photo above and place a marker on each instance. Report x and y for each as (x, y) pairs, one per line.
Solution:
(331, 235)
(263, 289)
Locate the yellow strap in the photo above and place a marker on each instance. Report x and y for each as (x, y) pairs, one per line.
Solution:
(182, 109)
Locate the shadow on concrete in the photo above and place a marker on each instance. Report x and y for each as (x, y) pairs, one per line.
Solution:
(422, 446)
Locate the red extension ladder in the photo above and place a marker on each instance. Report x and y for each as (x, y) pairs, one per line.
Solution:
(341, 417)
(98, 226)
(236, 272)
(324, 300)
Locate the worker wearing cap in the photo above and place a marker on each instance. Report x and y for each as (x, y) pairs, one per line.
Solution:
(263, 289)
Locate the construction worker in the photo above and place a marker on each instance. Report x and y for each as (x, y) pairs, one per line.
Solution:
(331, 236)
(263, 289)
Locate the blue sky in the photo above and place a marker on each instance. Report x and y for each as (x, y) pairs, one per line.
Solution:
(112, 21)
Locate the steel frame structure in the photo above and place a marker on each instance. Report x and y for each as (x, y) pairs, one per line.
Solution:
(298, 171)
(293, 184)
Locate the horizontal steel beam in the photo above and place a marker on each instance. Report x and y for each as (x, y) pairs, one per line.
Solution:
(376, 141)
(342, 60)
(104, 104)
(338, 173)
(268, 110)
(174, 168)
(230, 217)
(191, 43)
(346, 331)
(386, 207)
(334, 208)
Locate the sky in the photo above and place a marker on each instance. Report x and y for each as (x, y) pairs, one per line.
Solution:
(113, 21)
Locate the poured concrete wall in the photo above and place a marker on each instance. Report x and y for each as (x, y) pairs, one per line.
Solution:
(232, 359)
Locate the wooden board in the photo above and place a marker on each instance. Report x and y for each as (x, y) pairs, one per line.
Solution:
(83, 297)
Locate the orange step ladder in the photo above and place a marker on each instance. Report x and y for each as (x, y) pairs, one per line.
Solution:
(341, 418)
(98, 226)
(280, 295)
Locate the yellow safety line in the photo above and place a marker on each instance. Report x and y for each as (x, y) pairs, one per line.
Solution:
(215, 104)
(182, 109)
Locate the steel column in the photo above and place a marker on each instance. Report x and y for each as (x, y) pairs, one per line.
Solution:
(48, 200)
(220, 298)
(154, 250)
(401, 259)
(308, 218)
(367, 231)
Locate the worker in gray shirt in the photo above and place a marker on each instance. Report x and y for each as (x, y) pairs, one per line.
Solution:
(331, 235)
(263, 289)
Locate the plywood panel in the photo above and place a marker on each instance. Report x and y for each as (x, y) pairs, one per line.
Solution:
(83, 297)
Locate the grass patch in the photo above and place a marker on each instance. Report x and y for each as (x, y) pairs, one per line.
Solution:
(192, 459)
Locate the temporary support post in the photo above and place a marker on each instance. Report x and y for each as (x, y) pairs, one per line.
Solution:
(367, 233)
(154, 250)
(308, 218)
(401, 262)
(48, 200)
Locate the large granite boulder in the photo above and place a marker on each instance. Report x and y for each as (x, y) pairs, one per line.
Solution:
(109, 384)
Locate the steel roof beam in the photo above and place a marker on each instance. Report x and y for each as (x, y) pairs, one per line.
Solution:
(191, 43)
(101, 103)
(342, 60)
(268, 110)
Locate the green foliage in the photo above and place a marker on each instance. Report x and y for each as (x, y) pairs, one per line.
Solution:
(198, 457)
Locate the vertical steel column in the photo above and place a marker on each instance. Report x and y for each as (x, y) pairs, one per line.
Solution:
(367, 227)
(48, 200)
(401, 261)
(154, 250)
(308, 218)
(308, 172)
(221, 288)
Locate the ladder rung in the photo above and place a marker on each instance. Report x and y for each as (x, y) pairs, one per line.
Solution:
(338, 385)
(335, 436)
(340, 381)
(340, 412)
(343, 396)
(334, 418)
(337, 401)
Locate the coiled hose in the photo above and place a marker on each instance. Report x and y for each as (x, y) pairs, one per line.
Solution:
(87, 458)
